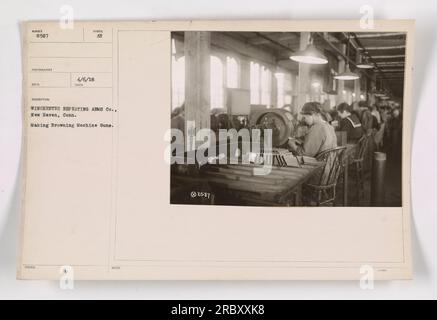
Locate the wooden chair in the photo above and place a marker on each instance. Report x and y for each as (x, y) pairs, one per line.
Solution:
(320, 190)
(358, 165)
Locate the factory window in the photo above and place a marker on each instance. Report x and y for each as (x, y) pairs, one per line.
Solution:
(178, 82)
(281, 89)
(232, 72)
(254, 83)
(217, 82)
(260, 84)
(266, 86)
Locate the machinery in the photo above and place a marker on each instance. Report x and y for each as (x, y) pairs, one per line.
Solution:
(280, 121)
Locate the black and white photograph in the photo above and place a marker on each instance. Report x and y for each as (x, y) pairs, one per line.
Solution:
(218, 156)
(287, 118)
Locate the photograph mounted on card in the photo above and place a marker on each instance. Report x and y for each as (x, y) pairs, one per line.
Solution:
(217, 150)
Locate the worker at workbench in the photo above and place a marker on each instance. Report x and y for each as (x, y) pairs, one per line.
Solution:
(350, 123)
(178, 118)
(320, 136)
(365, 116)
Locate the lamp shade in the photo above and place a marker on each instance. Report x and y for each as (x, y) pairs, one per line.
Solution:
(385, 95)
(347, 75)
(377, 93)
(310, 55)
(364, 65)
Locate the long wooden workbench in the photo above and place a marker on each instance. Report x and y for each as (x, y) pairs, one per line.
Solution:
(280, 187)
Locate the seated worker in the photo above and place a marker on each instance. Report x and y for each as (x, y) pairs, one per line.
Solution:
(326, 111)
(365, 117)
(320, 136)
(350, 123)
(178, 118)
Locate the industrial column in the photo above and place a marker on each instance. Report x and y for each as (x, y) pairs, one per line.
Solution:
(197, 83)
(304, 74)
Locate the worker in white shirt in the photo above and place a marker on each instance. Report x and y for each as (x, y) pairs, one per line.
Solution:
(320, 136)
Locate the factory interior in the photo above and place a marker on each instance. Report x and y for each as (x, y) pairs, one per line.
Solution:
(332, 101)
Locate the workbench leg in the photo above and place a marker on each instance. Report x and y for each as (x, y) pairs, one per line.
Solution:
(345, 183)
(298, 197)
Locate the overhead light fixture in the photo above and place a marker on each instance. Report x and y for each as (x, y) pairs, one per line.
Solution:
(381, 92)
(310, 55)
(376, 92)
(386, 95)
(364, 64)
(347, 74)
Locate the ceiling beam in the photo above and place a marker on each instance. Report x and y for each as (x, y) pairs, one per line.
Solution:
(401, 66)
(262, 40)
(354, 35)
(392, 56)
(379, 35)
(391, 63)
(321, 36)
(392, 70)
(392, 73)
(394, 79)
(384, 48)
(274, 42)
